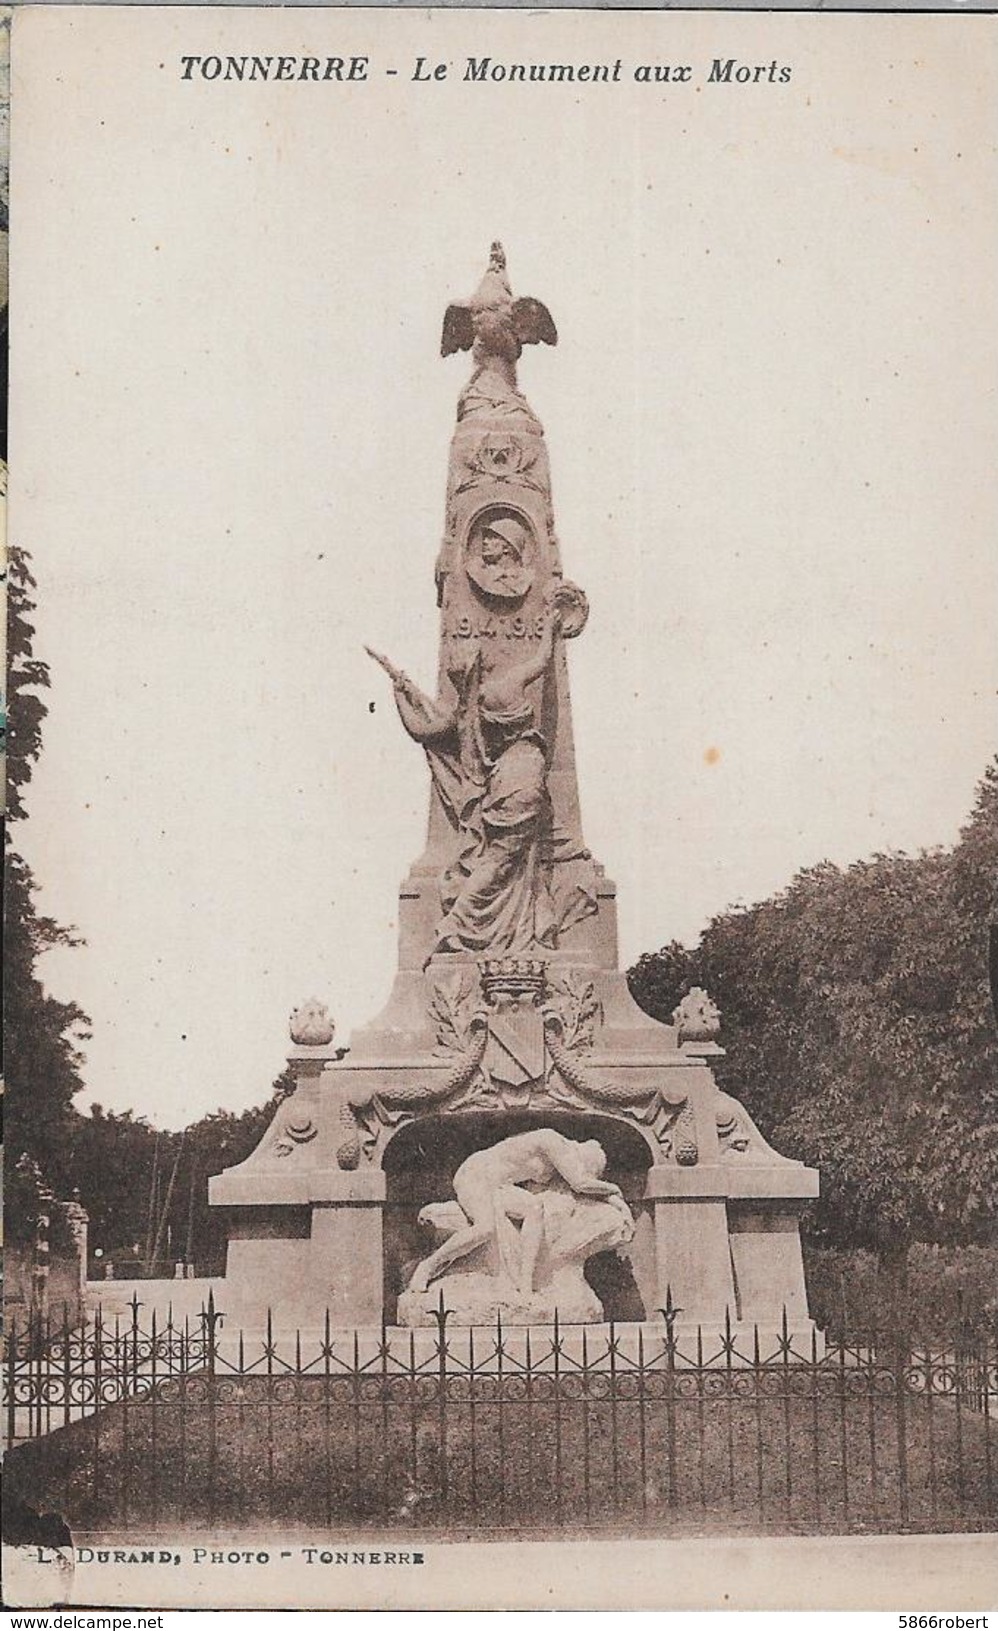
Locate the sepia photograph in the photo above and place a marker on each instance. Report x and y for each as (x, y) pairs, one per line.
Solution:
(501, 1071)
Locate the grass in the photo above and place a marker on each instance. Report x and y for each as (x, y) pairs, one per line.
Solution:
(385, 1453)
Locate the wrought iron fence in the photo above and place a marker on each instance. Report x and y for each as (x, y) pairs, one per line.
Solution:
(505, 1429)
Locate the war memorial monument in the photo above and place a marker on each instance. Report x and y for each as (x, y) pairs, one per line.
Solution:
(512, 1138)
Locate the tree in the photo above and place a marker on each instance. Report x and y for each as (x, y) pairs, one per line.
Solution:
(43, 1037)
(111, 1160)
(146, 1189)
(859, 1033)
(217, 1141)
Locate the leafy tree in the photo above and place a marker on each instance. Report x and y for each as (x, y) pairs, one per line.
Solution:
(859, 1033)
(217, 1141)
(26, 676)
(110, 1159)
(112, 1166)
(44, 1037)
(145, 1188)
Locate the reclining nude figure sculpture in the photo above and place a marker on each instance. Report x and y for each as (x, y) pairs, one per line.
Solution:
(540, 1200)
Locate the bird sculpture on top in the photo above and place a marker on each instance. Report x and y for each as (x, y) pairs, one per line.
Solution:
(494, 326)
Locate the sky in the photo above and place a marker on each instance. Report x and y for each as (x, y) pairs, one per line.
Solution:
(771, 419)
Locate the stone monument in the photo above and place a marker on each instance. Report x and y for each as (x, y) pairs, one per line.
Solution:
(512, 1136)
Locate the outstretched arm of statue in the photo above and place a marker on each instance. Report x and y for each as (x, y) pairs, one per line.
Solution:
(422, 718)
(537, 665)
(507, 690)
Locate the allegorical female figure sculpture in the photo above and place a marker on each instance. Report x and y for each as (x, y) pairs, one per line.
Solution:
(489, 763)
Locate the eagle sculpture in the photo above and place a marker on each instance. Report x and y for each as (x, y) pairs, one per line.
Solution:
(492, 324)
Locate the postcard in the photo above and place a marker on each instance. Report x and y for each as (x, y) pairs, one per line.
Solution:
(502, 810)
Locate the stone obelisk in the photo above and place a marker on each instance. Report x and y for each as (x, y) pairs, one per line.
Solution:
(510, 1042)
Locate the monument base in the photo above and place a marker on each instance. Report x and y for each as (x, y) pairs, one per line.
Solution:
(485, 1300)
(332, 1211)
(565, 1348)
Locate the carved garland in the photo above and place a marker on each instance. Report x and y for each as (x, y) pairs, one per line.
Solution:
(364, 1115)
(673, 1125)
(570, 1022)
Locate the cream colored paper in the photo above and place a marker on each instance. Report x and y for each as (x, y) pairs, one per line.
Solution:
(771, 420)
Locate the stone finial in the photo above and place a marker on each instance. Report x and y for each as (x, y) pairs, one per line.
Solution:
(696, 1018)
(310, 1025)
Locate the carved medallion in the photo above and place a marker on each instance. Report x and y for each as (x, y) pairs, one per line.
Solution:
(499, 556)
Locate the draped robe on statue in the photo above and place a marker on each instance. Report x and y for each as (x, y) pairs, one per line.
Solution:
(519, 879)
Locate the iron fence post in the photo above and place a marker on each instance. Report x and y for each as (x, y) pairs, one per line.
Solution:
(12, 1379)
(441, 1316)
(669, 1313)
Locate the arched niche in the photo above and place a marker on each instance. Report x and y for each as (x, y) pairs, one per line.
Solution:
(420, 1160)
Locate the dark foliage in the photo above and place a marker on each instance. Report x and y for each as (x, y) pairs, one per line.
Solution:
(162, 1214)
(120, 1165)
(43, 1037)
(859, 1033)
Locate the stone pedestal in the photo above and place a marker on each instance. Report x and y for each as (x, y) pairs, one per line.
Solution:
(323, 1215)
(728, 1242)
(768, 1265)
(693, 1255)
(301, 1248)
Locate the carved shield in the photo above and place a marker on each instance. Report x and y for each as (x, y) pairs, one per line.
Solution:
(514, 1057)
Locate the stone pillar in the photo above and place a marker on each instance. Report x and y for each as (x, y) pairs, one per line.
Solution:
(764, 1220)
(300, 1245)
(79, 1223)
(347, 1252)
(691, 1242)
